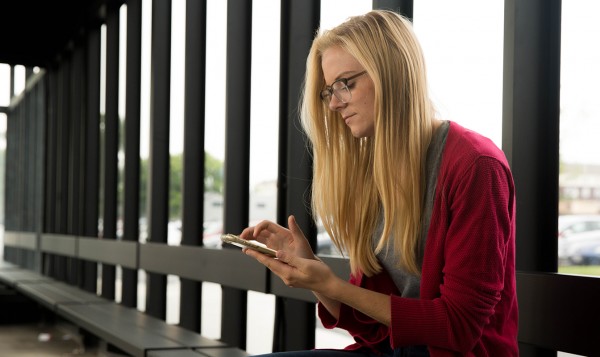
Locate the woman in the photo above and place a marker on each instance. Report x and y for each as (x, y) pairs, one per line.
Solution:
(424, 208)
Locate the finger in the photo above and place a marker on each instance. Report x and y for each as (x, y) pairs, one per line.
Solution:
(275, 265)
(262, 227)
(247, 233)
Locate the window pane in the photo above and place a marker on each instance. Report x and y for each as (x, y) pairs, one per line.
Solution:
(214, 137)
(264, 122)
(463, 45)
(579, 178)
(4, 85)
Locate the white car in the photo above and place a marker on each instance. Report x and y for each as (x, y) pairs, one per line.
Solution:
(576, 223)
(578, 248)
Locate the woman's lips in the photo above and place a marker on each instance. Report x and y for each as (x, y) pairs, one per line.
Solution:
(347, 119)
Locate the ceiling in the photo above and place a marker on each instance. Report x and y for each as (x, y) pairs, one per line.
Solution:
(35, 32)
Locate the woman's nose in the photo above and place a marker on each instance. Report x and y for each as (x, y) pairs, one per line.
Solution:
(335, 104)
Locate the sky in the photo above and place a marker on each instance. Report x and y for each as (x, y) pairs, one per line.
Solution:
(464, 68)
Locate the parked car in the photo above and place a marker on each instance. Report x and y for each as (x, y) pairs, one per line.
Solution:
(590, 255)
(575, 223)
(580, 248)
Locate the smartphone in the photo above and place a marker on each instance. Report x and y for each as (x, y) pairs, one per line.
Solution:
(252, 244)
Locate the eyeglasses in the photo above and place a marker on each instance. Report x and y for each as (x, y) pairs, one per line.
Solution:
(340, 89)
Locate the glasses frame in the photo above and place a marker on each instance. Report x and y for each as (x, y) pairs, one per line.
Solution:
(327, 92)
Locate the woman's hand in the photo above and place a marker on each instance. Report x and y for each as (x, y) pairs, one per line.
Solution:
(296, 264)
(276, 237)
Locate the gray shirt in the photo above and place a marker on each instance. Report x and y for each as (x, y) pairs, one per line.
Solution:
(409, 284)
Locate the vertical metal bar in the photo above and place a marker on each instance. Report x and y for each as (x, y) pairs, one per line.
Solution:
(75, 158)
(12, 160)
(63, 142)
(530, 133)
(76, 98)
(64, 129)
(531, 125)
(404, 7)
(160, 94)
(92, 154)
(25, 165)
(193, 154)
(131, 209)
(51, 164)
(51, 187)
(294, 320)
(237, 155)
(111, 143)
(28, 73)
(40, 139)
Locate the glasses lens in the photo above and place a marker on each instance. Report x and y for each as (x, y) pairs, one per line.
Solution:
(326, 96)
(341, 91)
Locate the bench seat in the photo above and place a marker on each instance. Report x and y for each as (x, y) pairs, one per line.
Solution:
(133, 332)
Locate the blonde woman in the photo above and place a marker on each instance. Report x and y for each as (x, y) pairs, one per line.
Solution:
(424, 208)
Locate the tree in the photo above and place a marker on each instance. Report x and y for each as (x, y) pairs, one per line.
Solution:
(213, 181)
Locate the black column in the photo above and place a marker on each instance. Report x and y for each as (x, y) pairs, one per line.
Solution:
(294, 319)
(193, 154)
(131, 204)
(404, 7)
(530, 133)
(237, 155)
(160, 96)
(111, 143)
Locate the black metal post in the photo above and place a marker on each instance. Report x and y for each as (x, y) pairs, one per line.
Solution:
(92, 154)
(237, 155)
(160, 94)
(531, 108)
(294, 320)
(111, 143)
(193, 154)
(131, 204)
(404, 7)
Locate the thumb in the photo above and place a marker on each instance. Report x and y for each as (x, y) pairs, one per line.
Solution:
(293, 226)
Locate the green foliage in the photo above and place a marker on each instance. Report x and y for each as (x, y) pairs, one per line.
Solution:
(213, 181)
(213, 174)
(591, 270)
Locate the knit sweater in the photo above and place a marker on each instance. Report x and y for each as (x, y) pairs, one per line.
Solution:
(468, 303)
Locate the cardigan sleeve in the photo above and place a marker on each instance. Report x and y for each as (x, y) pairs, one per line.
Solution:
(365, 330)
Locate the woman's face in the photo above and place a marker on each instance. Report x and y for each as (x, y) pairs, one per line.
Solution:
(358, 112)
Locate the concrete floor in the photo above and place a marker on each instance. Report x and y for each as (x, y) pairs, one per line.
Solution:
(37, 340)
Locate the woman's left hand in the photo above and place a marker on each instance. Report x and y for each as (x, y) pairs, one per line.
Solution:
(296, 265)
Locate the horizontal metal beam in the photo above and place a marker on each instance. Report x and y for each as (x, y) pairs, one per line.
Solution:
(26, 240)
(110, 251)
(228, 267)
(60, 244)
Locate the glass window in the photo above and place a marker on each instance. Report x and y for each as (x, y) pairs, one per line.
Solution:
(5, 86)
(19, 79)
(264, 122)
(579, 175)
(463, 45)
(214, 137)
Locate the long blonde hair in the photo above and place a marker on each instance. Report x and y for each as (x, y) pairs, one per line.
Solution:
(355, 180)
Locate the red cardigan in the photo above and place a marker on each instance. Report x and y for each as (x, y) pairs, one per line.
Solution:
(468, 301)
